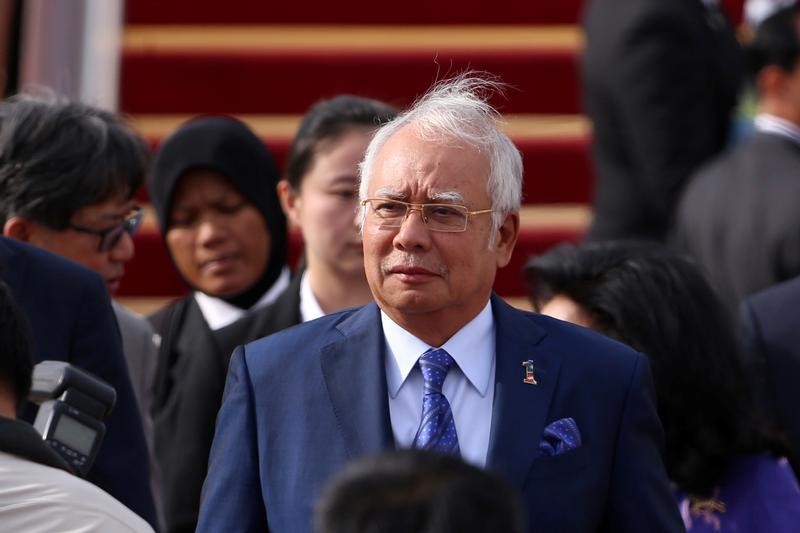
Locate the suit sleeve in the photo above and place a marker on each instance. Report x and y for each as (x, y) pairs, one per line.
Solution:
(640, 498)
(122, 465)
(670, 105)
(231, 499)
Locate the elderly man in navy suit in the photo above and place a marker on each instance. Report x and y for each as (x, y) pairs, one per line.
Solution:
(439, 362)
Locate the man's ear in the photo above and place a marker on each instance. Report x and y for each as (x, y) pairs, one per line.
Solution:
(506, 238)
(289, 201)
(17, 228)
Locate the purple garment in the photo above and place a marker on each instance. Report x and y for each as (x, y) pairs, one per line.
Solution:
(759, 494)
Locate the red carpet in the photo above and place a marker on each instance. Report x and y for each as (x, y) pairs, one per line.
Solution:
(279, 81)
(361, 12)
(351, 12)
(543, 82)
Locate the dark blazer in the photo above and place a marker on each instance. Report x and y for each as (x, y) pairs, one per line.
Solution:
(190, 379)
(300, 404)
(71, 319)
(739, 217)
(660, 81)
(771, 323)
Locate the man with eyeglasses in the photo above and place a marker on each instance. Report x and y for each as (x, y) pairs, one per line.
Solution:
(438, 362)
(68, 173)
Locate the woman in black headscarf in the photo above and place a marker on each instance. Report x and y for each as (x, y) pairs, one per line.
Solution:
(213, 189)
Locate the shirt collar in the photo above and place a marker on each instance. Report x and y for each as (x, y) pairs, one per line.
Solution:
(767, 123)
(309, 306)
(472, 348)
(218, 313)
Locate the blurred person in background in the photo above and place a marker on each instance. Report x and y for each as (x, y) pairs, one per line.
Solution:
(414, 491)
(319, 194)
(738, 216)
(660, 82)
(68, 173)
(771, 325)
(726, 468)
(38, 493)
(213, 187)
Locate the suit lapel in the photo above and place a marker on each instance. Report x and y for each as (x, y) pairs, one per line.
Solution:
(354, 372)
(520, 409)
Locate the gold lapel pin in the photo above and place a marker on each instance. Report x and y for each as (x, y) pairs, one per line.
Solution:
(530, 379)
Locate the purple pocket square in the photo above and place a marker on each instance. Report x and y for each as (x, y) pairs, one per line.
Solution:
(560, 437)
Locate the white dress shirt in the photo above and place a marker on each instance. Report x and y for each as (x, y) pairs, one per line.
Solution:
(469, 386)
(309, 305)
(36, 498)
(219, 313)
(767, 123)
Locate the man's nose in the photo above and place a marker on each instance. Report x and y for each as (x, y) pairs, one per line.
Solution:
(413, 232)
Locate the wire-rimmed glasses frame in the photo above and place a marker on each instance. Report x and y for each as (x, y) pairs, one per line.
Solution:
(109, 237)
(450, 218)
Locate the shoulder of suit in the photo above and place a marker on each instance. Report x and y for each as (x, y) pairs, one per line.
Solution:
(583, 346)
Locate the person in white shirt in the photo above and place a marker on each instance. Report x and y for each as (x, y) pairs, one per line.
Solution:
(38, 493)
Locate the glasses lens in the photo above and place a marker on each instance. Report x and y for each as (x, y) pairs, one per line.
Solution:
(390, 212)
(442, 217)
(112, 236)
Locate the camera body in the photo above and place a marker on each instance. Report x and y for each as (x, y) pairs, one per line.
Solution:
(72, 407)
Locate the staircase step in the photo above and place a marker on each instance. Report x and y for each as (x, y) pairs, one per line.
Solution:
(364, 12)
(351, 12)
(541, 227)
(554, 149)
(268, 69)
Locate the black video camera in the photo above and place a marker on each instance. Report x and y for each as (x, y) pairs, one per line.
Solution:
(72, 406)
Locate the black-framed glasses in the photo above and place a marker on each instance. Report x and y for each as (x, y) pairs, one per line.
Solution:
(438, 217)
(109, 237)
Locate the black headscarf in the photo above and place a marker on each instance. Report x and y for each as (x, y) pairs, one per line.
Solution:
(224, 145)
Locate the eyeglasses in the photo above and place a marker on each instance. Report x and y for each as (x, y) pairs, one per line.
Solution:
(110, 237)
(438, 217)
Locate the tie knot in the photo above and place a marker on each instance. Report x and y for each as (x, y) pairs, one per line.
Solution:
(434, 365)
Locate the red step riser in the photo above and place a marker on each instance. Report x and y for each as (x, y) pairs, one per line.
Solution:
(557, 172)
(542, 82)
(350, 12)
(361, 12)
(152, 274)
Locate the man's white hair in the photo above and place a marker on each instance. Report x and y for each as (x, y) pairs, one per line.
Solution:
(458, 110)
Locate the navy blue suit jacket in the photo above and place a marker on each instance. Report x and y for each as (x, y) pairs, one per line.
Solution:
(771, 321)
(71, 320)
(300, 404)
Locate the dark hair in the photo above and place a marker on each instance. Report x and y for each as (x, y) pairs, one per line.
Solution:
(776, 42)
(57, 157)
(326, 121)
(660, 303)
(423, 492)
(16, 358)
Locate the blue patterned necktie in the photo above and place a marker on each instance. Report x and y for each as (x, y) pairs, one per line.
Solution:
(437, 429)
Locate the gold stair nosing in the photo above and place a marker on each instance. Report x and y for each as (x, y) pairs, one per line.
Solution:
(351, 38)
(520, 127)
